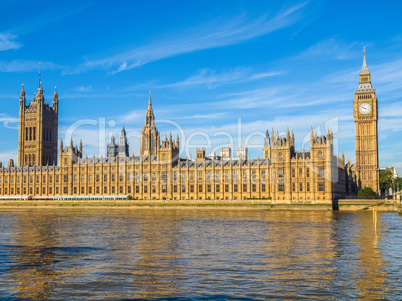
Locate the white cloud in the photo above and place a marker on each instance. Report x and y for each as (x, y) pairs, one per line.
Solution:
(8, 41)
(26, 65)
(215, 34)
(83, 89)
(212, 78)
(8, 122)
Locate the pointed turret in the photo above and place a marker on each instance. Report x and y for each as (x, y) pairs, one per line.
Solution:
(22, 96)
(55, 100)
(365, 77)
(364, 69)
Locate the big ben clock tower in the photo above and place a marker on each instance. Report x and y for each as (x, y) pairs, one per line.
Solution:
(365, 109)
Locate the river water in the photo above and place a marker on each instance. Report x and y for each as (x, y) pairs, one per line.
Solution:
(196, 254)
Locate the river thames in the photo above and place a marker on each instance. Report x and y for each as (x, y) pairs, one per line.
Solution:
(199, 254)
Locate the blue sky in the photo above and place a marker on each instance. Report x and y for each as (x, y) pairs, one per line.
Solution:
(216, 69)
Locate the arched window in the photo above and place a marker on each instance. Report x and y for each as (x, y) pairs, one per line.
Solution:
(30, 133)
(29, 159)
(320, 155)
(34, 133)
(280, 155)
(26, 159)
(33, 160)
(26, 134)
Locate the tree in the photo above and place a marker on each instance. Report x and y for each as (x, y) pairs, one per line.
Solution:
(397, 184)
(386, 180)
(366, 193)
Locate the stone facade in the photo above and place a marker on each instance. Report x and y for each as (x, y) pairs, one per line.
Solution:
(365, 109)
(38, 130)
(283, 174)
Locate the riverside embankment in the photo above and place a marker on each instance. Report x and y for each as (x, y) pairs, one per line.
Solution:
(342, 205)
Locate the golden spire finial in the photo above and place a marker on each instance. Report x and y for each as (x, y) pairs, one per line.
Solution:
(149, 102)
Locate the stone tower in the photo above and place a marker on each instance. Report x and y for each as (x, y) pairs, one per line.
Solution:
(365, 110)
(38, 130)
(150, 140)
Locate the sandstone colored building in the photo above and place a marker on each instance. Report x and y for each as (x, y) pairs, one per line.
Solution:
(283, 174)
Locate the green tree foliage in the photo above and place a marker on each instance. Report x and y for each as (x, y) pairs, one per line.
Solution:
(398, 184)
(386, 180)
(366, 193)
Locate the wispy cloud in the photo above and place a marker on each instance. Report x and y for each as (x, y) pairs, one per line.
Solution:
(212, 78)
(83, 89)
(9, 121)
(330, 49)
(8, 41)
(215, 34)
(26, 65)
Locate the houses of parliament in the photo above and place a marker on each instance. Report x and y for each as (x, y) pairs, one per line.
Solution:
(159, 172)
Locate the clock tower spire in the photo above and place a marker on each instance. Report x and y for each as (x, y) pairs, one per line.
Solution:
(365, 109)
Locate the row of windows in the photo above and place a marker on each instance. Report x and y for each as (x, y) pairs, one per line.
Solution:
(281, 174)
(320, 187)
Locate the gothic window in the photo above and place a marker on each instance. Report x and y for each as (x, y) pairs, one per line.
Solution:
(226, 187)
(121, 177)
(308, 173)
(200, 175)
(82, 190)
(113, 177)
(280, 156)
(244, 187)
(280, 173)
(321, 172)
(321, 186)
(97, 178)
(164, 176)
(235, 188)
(34, 133)
(183, 188)
(145, 189)
(226, 175)
(319, 155)
(263, 174)
(217, 175)
(209, 188)
(217, 188)
(121, 189)
(244, 175)
(236, 176)
(154, 189)
(65, 179)
(254, 187)
(82, 179)
(281, 187)
(293, 187)
(27, 134)
(301, 187)
(263, 188)
(199, 188)
(293, 173)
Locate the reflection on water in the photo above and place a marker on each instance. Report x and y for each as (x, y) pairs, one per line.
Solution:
(147, 254)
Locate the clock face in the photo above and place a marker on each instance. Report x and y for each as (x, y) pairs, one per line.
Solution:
(365, 108)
